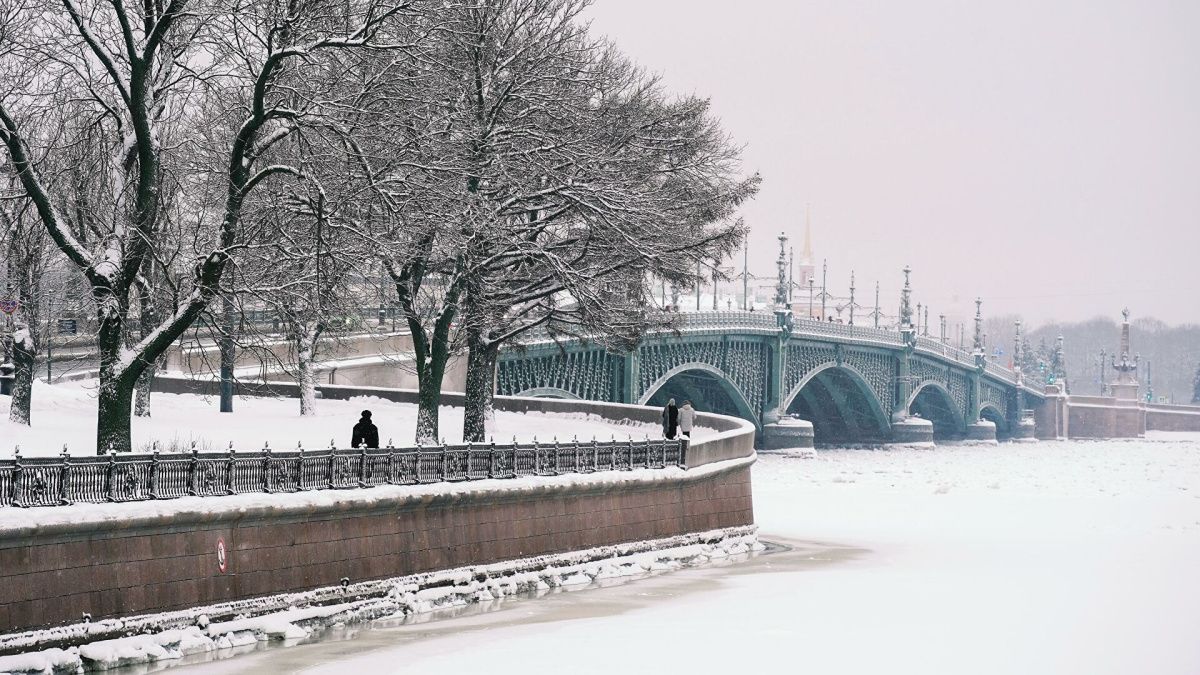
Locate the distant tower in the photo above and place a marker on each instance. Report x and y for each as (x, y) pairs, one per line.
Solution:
(1126, 386)
(806, 270)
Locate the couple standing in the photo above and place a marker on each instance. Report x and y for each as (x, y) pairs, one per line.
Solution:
(678, 419)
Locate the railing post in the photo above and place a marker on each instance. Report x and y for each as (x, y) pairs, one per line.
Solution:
(575, 444)
(629, 450)
(391, 463)
(15, 488)
(362, 466)
(64, 476)
(300, 467)
(557, 449)
(266, 469)
(683, 448)
(492, 458)
(110, 477)
(193, 464)
(595, 454)
(537, 457)
(154, 472)
(229, 470)
(329, 465)
(445, 461)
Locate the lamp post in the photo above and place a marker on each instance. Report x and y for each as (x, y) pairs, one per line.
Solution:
(810, 296)
(791, 272)
(824, 294)
(1103, 364)
(745, 276)
(877, 304)
(851, 297)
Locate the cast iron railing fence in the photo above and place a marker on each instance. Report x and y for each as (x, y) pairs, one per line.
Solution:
(64, 479)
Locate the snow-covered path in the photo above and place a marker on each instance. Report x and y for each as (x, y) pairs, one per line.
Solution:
(1048, 558)
(65, 414)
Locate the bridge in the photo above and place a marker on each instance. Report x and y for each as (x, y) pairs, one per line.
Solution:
(854, 384)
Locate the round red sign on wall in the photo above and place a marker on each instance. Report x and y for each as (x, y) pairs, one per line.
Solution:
(222, 559)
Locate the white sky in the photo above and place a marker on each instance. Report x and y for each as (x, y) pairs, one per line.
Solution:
(1043, 155)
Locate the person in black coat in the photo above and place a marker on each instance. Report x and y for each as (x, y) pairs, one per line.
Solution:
(670, 420)
(365, 432)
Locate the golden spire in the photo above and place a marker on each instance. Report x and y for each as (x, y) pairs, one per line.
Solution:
(806, 257)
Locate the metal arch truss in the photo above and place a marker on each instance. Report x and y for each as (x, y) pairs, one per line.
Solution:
(764, 363)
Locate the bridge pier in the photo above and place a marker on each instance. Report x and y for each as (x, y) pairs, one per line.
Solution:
(787, 433)
(981, 430)
(912, 430)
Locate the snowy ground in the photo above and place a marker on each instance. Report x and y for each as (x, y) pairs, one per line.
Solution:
(1077, 557)
(66, 414)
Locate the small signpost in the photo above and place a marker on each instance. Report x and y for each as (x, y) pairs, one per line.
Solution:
(222, 560)
(10, 305)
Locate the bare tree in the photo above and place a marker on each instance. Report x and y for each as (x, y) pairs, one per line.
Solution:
(25, 250)
(141, 69)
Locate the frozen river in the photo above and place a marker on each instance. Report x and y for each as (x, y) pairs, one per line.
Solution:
(1080, 557)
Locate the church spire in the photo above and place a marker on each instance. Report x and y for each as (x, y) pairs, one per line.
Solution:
(806, 256)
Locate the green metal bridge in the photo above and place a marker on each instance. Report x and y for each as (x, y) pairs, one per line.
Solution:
(853, 383)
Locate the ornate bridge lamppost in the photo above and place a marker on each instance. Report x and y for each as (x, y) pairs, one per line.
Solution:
(1103, 371)
(781, 285)
(851, 297)
(1126, 386)
(876, 312)
(824, 276)
(977, 349)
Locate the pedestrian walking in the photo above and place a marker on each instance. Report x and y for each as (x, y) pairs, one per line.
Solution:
(670, 419)
(365, 432)
(687, 415)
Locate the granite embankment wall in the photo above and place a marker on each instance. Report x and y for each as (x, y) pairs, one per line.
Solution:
(1108, 417)
(113, 560)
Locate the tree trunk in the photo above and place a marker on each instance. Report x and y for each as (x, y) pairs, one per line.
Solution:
(429, 397)
(306, 351)
(481, 371)
(116, 387)
(23, 353)
(141, 403)
(227, 353)
(113, 418)
(147, 320)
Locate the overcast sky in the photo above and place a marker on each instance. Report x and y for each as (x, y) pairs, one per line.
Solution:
(1042, 154)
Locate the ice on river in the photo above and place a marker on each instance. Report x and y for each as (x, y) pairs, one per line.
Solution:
(1073, 557)
(65, 414)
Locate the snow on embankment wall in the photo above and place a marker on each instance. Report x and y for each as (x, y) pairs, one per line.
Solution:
(118, 560)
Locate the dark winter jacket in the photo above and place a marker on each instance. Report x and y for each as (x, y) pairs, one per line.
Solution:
(365, 433)
(670, 420)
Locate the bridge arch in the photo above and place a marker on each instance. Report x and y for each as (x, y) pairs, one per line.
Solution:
(837, 398)
(933, 401)
(993, 414)
(706, 374)
(549, 392)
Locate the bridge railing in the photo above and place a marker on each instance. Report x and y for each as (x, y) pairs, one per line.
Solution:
(729, 319)
(1001, 372)
(935, 346)
(828, 328)
(54, 481)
